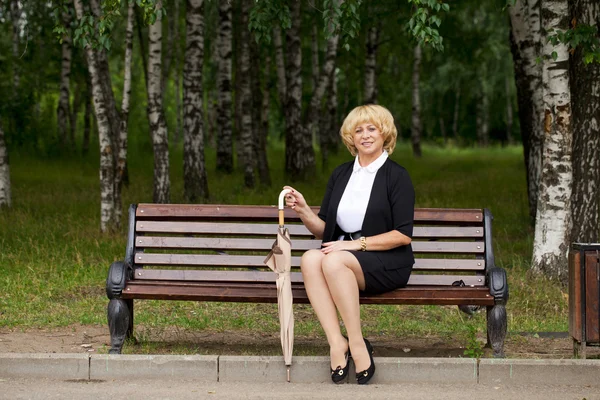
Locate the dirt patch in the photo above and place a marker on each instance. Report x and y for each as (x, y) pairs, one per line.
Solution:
(96, 339)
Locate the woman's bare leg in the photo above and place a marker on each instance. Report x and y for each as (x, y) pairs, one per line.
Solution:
(322, 303)
(344, 278)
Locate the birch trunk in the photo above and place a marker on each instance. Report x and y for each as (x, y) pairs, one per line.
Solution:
(330, 139)
(370, 96)
(299, 153)
(63, 110)
(553, 218)
(280, 66)
(416, 126)
(526, 48)
(246, 138)
(455, 116)
(315, 125)
(15, 15)
(194, 171)
(585, 92)
(178, 121)
(5, 196)
(263, 166)
(258, 126)
(107, 157)
(122, 142)
(225, 134)
(156, 118)
(509, 112)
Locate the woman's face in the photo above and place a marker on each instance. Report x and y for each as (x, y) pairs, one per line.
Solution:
(368, 140)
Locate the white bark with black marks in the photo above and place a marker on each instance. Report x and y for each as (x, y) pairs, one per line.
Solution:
(280, 66)
(585, 92)
(416, 126)
(246, 140)
(194, 170)
(5, 194)
(63, 110)
(553, 218)
(158, 127)
(15, 15)
(526, 44)
(107, 157)
(225, 134)
(370, 96)
(178, 121)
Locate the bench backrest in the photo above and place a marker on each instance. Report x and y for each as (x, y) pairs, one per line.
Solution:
(229, 243)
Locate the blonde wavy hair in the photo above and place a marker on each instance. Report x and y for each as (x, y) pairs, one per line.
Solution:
(369, 113)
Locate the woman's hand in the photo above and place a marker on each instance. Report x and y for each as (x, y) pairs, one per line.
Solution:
(295, 200)
(338, 245)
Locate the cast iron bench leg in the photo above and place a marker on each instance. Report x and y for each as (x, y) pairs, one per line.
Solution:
(120, 323)
(496, 327)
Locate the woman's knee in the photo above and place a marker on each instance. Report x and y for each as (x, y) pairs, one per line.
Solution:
(333, 262)
(311, 260)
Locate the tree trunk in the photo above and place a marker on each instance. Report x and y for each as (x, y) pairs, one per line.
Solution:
(525, 47)
(260, 127)
(509, 112)
(585, 92)
(553, 218)
(15, 15)
(225, 135)
(314, 63)
(156, 118)
(280, 66)
(330, 139)
(370, 96)
(63, 111)
(178, 121)
(455, 116)
(122, 142)
(416, 127)
(194, 170)
(107, 157)
(168, 58)
(483, 131)
(87, 117)
(5, 196)
(299, 153)
(246, 137)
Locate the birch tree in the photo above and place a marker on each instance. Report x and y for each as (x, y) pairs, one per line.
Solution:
(416, 127)
(63, 110)
(225, 135)
(246, 139)
(370, 96)
(15, 16)
(194, 170)
(526, 49)
(585, 92)
(553, 217)
(5, 196)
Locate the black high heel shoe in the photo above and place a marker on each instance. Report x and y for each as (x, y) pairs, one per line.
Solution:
(363, 377)
(339, 374)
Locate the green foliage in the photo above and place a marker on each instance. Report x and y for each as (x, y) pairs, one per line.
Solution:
(264, 15)
(473, 349)
(424, 23)
(581, 36)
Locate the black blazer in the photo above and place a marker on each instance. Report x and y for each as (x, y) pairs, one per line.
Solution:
(391, 206)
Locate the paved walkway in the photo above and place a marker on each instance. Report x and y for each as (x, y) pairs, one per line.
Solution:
(17, 389)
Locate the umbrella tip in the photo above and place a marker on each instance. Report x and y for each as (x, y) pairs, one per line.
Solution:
(288, 374)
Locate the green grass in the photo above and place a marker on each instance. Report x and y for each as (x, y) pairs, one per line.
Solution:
(53, 260)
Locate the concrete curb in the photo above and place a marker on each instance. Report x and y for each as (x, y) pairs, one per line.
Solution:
(303, 370)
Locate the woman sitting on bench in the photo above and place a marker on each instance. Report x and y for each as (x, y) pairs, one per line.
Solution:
(366, 224)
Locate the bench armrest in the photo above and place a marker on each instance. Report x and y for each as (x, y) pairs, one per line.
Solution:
(118, 275)
(498, 284)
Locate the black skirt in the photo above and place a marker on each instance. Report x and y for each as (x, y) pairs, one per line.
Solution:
(379, 279)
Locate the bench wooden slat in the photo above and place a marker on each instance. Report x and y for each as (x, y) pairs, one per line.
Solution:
(267, 293)
(299, 245)
(296, 277)
(247, 261)
(181, 227)
(256, 213)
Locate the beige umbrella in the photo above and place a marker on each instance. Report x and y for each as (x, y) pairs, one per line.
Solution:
(280, 261)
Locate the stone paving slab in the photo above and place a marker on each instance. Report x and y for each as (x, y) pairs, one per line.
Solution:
(556, 372)
(45, 365)
(118, 366)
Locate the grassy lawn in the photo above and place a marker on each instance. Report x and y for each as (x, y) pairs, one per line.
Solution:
(53, 260)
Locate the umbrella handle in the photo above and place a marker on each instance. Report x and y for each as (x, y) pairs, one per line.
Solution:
(281, 197)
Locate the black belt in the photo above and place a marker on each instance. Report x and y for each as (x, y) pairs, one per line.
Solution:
(352, 236)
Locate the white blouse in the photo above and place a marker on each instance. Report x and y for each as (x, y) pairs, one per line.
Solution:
(354, 202)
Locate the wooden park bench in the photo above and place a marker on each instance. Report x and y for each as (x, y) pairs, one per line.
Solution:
(216, 253)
